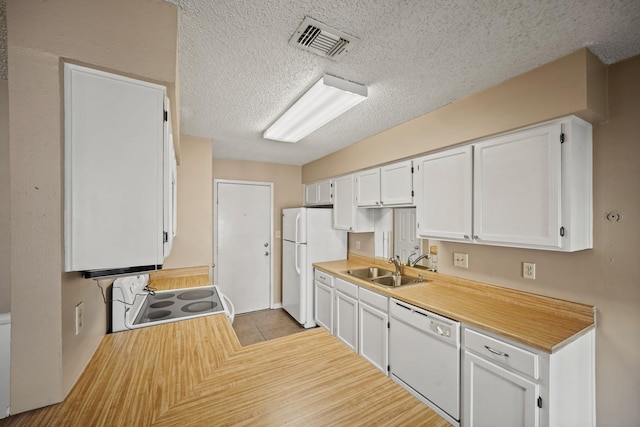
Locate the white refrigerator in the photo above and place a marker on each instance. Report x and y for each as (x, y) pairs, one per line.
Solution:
(307, 237)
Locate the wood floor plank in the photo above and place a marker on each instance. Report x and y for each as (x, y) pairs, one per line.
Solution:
(194, 372)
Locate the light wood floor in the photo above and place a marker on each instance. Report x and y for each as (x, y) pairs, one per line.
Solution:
(194, 373)
(264, 325)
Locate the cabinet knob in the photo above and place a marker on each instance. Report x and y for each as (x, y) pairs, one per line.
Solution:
(466, 236)
(266, 245)
(476, 237)
(266, 254)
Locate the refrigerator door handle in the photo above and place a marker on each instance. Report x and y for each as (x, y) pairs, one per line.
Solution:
(296, 240)
(296, 259)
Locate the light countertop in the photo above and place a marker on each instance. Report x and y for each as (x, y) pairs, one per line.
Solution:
(540, 322)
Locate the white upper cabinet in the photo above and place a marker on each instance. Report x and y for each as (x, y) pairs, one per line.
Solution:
(533, 188)
(346, 215)
(444, 185)
(318, 193)
(396, 184)
(530, 189)
(368, 188)
(390, 185)
(170, 186)
(116, 142)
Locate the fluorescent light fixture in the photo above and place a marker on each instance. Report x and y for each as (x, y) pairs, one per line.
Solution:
(326, 100)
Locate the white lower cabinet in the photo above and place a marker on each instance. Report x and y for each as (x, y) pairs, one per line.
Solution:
(323, 293)
(357, 316)
(504, 383)
(508, 384)
(346, 307)
(488, 387)
(373, 328)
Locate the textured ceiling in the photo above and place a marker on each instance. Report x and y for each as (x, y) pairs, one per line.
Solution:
(238, 73)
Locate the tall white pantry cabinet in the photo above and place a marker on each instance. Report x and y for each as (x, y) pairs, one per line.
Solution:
(120, 174)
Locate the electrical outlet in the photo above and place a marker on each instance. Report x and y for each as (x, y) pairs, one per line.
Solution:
(460, 260)
(357, 244)
(277, 234)
(79, 317)
(528, 270)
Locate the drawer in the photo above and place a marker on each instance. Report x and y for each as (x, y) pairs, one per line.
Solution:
(503, 353)
(347, 288)
(323, 277)
(374, 299)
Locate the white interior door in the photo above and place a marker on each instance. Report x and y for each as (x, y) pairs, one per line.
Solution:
(243, 244)
(405, 237)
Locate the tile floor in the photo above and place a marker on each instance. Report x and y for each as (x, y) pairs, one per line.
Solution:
(263, 325)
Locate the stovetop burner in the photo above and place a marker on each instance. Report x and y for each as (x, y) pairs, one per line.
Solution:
(196, 294)
(174, 304)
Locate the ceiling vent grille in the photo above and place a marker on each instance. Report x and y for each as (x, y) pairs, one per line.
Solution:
(315, 37)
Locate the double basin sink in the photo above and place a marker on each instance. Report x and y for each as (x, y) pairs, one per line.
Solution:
(382, 277)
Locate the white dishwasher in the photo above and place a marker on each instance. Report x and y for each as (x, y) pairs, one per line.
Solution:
(424, 356)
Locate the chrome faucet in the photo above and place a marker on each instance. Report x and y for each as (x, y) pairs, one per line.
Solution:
(415, 261)
(396, 262)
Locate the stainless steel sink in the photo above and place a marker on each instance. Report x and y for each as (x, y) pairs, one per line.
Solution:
(380, 276)
(391, 281)
(369, 273)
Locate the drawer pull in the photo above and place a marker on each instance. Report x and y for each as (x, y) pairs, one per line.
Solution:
(496, 352)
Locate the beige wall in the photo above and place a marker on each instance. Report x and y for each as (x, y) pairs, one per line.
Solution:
(367, 244)
(5, 224)
(192, 244)
(287, 194)
(133, 37)
(530, 98)
(605, 276)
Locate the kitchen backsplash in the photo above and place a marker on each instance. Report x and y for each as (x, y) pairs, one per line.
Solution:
(362, 244)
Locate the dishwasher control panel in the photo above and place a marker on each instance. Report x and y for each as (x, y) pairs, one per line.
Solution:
(440, 329)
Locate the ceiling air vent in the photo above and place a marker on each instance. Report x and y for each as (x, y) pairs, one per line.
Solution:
(315, 37)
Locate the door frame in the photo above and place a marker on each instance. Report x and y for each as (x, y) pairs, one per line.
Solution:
(212, 271)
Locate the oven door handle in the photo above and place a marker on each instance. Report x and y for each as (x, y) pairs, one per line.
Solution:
(230, 307)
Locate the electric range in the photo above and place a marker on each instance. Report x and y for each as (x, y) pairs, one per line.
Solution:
(135, 305)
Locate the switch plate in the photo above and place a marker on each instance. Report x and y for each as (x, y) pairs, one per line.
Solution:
(278, 234)
(529, 270)
(79, 317)
(460, 260)
(357, 244)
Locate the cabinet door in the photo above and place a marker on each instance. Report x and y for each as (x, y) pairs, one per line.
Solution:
(310, 194)
(170, 184)
(343, 212)
(373, 335)
(324, 306)
(368, 188)
(444, 194)
(396, 184)
(496, 397)
(325, 195)
(517, 186)
(114, 171)
(346, 322)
